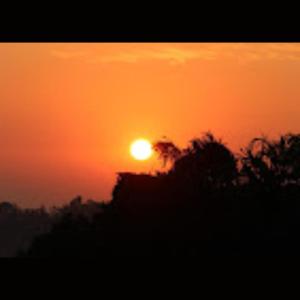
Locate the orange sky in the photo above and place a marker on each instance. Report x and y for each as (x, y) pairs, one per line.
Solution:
(70, 111)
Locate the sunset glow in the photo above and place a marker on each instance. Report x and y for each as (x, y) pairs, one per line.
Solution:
(70, 111)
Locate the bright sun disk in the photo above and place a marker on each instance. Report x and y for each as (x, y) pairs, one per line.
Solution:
(141, 149)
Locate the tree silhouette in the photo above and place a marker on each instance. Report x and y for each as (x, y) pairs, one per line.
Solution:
(273, 162)
(205, 162)
(167, 151)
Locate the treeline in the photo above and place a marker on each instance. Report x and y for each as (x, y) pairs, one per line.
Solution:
(19, 226)
(207, 202)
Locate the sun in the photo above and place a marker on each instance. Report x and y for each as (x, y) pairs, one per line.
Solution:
(141, 149)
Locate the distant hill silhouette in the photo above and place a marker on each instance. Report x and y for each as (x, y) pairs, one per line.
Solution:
(208, 202)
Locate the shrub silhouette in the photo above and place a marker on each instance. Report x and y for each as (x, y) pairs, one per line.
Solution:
(208, 202)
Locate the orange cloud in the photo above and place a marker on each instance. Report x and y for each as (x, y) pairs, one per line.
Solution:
(174, 55)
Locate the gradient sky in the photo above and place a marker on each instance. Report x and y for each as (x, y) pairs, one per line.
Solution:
(70, 111)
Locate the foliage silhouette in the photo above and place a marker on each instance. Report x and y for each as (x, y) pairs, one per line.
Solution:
(19, 226)
(209, 202)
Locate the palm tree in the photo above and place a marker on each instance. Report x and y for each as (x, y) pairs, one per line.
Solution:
(276, 162)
